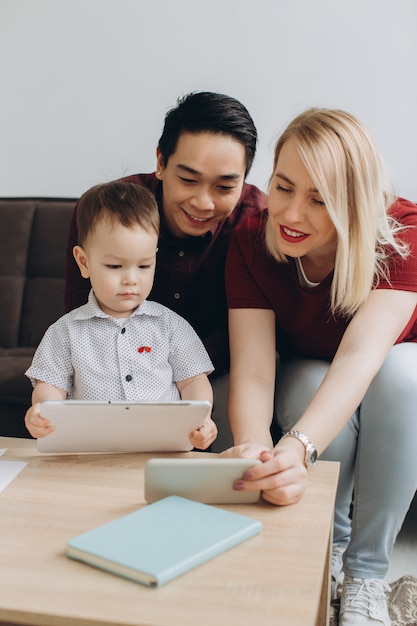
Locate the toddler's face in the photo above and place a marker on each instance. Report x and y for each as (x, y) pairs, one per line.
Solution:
(120, 263)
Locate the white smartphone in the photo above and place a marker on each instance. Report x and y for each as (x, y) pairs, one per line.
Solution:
(207, 480)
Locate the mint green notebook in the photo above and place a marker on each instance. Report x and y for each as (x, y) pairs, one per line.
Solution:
(162, 540)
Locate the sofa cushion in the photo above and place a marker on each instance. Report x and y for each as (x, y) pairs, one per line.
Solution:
(16, 219)
(11, 288)
(13, 388)
(33, 235)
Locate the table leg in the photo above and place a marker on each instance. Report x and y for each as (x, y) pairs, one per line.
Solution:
(324, 606)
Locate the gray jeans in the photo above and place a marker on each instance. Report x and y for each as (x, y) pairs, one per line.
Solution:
(377, 451)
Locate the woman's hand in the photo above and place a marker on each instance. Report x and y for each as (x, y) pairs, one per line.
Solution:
(37, 425)
(245, 451)
(282, 476)
(202, 437)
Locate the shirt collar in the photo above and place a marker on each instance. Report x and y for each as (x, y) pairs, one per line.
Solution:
(92, 309)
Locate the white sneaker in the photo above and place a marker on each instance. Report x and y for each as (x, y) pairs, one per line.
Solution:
(337, 573)
(364, 602)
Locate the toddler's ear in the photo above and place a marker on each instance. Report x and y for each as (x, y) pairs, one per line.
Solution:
(81, 260)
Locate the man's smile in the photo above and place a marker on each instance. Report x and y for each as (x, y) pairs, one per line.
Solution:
(197, 219)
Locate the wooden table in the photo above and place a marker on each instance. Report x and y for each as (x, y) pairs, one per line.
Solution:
(279, 577)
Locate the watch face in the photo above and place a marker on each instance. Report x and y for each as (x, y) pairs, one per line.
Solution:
(313, 457)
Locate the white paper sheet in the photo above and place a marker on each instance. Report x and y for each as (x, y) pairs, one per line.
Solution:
(9, 470)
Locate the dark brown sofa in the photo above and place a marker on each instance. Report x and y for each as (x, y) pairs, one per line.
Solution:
(33, 236)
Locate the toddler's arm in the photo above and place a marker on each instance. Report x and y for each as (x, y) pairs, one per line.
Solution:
(199, 388)
(37, 425)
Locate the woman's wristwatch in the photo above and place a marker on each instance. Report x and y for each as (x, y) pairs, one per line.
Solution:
(310, 456)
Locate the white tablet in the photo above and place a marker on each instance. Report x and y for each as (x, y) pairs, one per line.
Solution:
(207, 480)
(89, 426)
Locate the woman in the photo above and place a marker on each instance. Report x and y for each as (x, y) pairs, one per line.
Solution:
(328, 278)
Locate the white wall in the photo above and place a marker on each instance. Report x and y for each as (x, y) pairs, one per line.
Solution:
(85, 84)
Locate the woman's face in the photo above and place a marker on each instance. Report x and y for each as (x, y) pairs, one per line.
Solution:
(202, 182)
(297, 213)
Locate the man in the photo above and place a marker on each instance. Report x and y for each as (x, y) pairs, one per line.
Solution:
(204, 154)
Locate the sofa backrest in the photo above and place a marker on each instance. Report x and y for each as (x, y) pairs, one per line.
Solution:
(33, 235)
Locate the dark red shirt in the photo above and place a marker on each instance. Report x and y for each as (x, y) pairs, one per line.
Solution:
(189, 277)
(304, 323)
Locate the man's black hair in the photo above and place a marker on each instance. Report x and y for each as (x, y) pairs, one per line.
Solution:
(210, 112)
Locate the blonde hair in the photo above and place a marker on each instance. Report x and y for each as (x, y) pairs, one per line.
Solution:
(346, 167)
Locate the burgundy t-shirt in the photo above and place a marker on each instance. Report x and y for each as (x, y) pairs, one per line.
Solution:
(305, 325)
(189, 277)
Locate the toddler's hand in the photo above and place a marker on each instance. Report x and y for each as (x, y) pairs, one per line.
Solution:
(205, 435)
(37, 425)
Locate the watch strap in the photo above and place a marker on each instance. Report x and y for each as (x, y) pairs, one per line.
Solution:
(310, 456)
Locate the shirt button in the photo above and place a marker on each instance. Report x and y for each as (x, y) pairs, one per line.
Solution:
(181, 253)
(128, 378)
(123, 331)
(177, 296)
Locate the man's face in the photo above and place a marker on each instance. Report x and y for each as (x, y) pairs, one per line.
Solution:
(202, 182)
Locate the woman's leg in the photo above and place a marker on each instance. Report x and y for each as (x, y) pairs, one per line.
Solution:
(377, 451)
(297, 382)
(386, 466)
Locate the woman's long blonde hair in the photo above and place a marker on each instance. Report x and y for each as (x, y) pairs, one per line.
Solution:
(346, 167)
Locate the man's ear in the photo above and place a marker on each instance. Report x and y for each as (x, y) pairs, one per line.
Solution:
(159, 164)
(81, 260)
